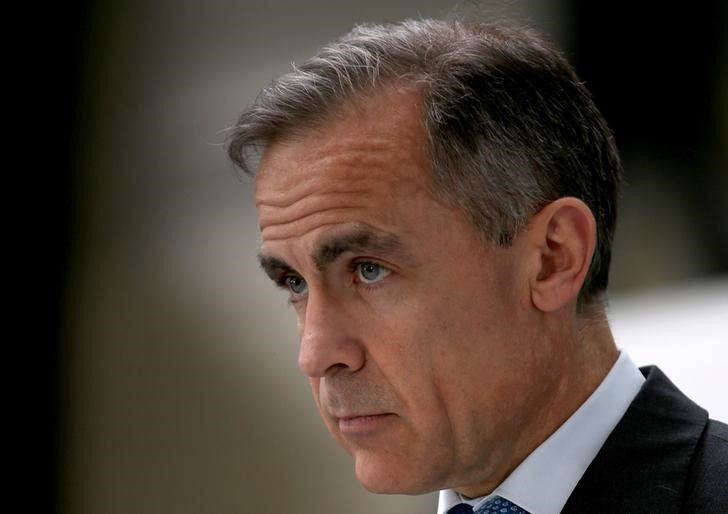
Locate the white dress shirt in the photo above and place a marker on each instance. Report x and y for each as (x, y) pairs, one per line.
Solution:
(543, 482)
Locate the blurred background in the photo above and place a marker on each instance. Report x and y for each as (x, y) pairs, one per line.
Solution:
(172, 362)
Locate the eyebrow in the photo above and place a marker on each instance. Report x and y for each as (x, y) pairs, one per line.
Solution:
(275, 268)
(360, 240)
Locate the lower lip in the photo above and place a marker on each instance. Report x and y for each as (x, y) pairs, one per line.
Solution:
(361, 424)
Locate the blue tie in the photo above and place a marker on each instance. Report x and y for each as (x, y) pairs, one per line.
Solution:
(495, 505)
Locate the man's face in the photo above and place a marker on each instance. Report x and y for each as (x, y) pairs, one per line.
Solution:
(415, 334)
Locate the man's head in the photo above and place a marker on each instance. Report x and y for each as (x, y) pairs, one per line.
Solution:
(432, 195)
(509, 126)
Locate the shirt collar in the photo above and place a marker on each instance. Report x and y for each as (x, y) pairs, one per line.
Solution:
(543, 482)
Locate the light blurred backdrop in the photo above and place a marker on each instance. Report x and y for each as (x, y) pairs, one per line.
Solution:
(178, 387)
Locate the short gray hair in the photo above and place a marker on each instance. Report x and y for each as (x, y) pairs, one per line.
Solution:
(509, 125)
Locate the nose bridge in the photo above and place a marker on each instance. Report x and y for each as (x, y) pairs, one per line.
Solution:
(328, 338)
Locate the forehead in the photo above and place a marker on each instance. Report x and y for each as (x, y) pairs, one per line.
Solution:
(372, 157)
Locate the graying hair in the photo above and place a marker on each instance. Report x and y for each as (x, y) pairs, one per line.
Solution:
(509, 125)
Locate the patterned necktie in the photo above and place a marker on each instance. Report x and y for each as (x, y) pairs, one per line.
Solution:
(495, 505)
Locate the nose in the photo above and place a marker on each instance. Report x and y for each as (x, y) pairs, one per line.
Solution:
(328, 339)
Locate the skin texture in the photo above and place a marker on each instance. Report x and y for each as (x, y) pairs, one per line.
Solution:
(436, 360)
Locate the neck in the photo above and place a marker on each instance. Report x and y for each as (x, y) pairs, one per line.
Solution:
(584, 353)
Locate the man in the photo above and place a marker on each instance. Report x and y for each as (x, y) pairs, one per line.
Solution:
(439, 199)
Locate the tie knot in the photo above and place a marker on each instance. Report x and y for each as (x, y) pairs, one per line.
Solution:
(494, 505)
(499, 505)
(461, 508)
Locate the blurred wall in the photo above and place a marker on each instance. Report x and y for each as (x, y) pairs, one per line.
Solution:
(180, 389)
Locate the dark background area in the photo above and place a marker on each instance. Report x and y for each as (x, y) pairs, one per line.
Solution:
(43, 59)
(658, 73)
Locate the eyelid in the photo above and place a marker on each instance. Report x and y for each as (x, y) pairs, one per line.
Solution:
(280, 275)
(355, 263)
(358, 261)
(281, 281)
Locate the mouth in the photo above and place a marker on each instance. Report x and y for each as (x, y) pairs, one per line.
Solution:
(360, 424)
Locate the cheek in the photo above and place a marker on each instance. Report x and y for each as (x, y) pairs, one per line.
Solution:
(462, 346)
(411, 364)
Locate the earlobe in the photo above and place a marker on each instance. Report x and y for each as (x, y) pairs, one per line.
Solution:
(563, 237)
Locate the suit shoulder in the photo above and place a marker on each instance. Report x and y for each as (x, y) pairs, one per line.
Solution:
(718, 432)
(707, 487)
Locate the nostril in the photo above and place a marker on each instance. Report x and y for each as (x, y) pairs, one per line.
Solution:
(334, 369)
(329, 352)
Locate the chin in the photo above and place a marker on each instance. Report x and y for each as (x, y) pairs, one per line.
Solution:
(387, 477)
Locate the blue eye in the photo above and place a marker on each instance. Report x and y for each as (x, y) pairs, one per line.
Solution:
(371, 272)
(296, 285)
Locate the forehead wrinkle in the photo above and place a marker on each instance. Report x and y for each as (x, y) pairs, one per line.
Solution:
(320, 198)
(298, 226)
(364, 135)
(307, 197)
(292, 188)
(282, 199)
(345, 147)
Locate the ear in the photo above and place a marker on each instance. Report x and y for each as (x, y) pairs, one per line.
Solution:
(562, 237)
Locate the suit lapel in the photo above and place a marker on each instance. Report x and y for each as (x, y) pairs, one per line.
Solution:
(644, 463)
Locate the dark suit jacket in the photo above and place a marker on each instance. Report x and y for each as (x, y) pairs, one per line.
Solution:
(664, 456)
